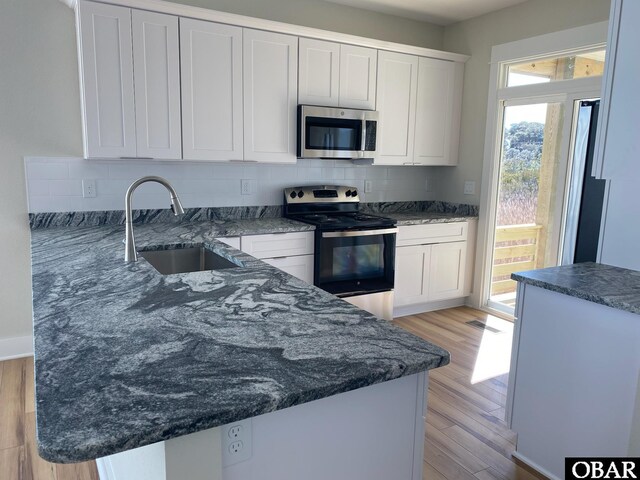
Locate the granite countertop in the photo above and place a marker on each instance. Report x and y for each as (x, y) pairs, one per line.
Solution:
(125, 357)
(604, 284)
(421, 218)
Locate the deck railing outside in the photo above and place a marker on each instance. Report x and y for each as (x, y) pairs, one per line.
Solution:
(516, 250)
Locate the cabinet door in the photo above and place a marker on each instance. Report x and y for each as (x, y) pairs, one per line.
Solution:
(447, 271)
(106, 71)
(358, 77)
(411, 280)
(396, 99)
(157, 84)
(270, 96)
(299, 266)
(318, 72)
(438, 112)
(211, 71)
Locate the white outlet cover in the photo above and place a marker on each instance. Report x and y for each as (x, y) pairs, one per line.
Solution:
(245, 187)
(233, 434)
(368, 186)
(88, 188)
(469, 187)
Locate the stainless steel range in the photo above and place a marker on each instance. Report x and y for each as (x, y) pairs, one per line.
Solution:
(354, 252)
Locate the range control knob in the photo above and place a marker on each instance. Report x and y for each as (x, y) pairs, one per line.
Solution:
(300, 194)
(348, 193)
(354, 193)
(292, 194)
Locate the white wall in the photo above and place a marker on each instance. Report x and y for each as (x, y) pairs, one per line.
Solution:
(333, 17)
(55, 184)
(40, 106)
(475, 37)
(39, 115)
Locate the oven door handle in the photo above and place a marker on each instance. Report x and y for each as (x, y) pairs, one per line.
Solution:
(359, 233)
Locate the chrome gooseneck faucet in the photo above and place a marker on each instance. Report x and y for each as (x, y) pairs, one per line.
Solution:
(130, 253)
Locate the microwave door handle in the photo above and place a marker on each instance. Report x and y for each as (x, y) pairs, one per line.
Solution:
(359, 233)
(363, 140)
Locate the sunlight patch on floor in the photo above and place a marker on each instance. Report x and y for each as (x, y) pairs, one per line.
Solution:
(494, 353)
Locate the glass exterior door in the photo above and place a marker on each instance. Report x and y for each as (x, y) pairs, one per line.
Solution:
(530, 196)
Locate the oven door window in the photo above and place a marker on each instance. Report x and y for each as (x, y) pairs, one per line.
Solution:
(333, 134)
(351, 265)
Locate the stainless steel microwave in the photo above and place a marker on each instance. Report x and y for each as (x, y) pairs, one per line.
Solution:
(325, 132)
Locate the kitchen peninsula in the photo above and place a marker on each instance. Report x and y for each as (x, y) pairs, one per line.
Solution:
(574, 387)
(126, 357)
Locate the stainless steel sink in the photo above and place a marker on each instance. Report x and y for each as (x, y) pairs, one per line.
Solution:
(188, 259)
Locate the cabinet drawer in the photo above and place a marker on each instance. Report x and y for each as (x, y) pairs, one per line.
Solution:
(432, 233)
(300, 266)
(278, 244)
(231, 241)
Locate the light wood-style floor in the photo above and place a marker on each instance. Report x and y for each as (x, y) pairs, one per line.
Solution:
(466, 437)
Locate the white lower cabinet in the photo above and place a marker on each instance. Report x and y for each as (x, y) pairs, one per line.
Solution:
(447, 271)
(231, 241)
(290, 252)
(299, 266)
(430, 267)
(411, 278)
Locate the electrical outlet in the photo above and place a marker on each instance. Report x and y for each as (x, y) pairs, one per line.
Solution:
(245, 187)
(236, 442)
(368, 186)
(235, 432)
(236, 448)
(469, 188)
(88, 188)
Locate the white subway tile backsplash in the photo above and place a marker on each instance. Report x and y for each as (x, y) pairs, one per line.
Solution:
(47, 171)
(88, 170)
(39, 187)
(55, 184)
(68, 187)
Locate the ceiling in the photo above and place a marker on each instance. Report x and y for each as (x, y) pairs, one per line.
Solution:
(440, 12)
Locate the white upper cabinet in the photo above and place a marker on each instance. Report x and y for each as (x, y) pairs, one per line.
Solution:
(334, 75)
(319, 77)
(106, 70)
(157, 85)
(270, 88)
(211, 73)
(617, 140)
(438, 112)
(419, 100)
(396, 94)
(358, 77)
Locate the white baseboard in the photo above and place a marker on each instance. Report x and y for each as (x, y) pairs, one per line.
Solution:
(427, 307)
(16, 347)
(535, 466)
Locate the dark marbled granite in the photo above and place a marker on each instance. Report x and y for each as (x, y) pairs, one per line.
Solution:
(435, 207)
(117, 217)
(604, 284)
(421, 218)
(125, 357)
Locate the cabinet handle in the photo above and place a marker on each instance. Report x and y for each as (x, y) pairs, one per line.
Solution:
(408, 163)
